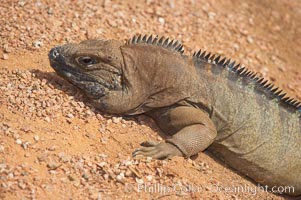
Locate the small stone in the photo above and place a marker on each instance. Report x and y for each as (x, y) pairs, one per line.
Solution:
(27, 155)
(47, 119)
(52, 148)
(52, 172)
(22, 185)
(103, 155)
(102, 164)
(290, 87)
(36, 138)
(25, 145)
(99, 117)
(5, 56)
(250, 39)
(53, 165)
(21, 3)
(65, 158)
(102, 128)
(7, 49)
(161, 20)
(10, 175)
(139, 181)
(211, 15)
(120, 177)
(148, 159)
(70, 115)
(71, 178)
(128, 163)
(149, 178)
(116, 120)
(37, 44)
(281, 68)
(106, 176)
(42, 157)
(251, 21)
(50, 11)
(1, 148)
(18, 141)
(128, 173)
(236, 46)
(85, 176)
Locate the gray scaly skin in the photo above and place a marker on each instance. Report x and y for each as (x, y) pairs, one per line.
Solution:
(200, 102)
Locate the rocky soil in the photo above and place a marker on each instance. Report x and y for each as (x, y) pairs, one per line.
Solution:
(55, 145)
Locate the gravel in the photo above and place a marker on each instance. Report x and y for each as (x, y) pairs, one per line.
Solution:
(88, 160)
(41, 95)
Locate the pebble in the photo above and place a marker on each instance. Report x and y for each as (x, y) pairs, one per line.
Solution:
(149, 178)
(27, 155)
(37, 44)
(53, 165)
(5, 56)
(22, 185)
(25, 145)
(43, 157)
(70, 115)
(120, 177)
(139, 181)
(2, 166)
(102, 164)
(161, 20)
(128, 173)
(36, 138)
(85, 176)
(106, 176)
(116, 120)
(10, 176)
(18, 141)
(211, 15)
(7, 49)
(47, 119)
(250, 39)
(65, 158)
(52, 148)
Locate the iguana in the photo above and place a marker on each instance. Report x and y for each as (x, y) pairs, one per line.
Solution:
(200, 102)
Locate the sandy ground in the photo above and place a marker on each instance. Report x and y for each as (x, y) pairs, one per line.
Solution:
(54, 145)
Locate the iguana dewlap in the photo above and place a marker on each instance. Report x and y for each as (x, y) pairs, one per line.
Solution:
(199, 102)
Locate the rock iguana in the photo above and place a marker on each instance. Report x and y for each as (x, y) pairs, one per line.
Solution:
(200, 102)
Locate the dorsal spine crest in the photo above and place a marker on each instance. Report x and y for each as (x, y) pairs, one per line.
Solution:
(260, 83)
(162, 42)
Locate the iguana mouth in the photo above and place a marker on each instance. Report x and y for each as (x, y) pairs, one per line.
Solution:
(95, 87)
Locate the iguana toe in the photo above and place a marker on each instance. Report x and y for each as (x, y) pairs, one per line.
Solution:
(148, 143)
(159, 151)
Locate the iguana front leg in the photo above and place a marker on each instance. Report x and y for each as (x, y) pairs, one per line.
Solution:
(190, 131)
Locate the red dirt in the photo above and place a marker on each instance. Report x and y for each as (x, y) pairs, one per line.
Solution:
(53, 145)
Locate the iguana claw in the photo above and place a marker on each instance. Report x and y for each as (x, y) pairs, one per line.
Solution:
(155, 150)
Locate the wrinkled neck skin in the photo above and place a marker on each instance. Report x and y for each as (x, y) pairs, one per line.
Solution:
(151, 80)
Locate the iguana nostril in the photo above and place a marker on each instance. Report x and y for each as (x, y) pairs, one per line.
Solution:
(54, 52)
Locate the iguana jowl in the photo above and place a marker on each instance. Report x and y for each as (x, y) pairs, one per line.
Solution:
(199, 102)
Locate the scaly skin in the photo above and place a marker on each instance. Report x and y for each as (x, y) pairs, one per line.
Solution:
(199, 102)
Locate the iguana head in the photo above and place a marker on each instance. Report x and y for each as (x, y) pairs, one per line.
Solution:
(96, 68)
(127, 78)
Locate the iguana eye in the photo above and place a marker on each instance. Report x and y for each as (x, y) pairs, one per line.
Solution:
(86, 60)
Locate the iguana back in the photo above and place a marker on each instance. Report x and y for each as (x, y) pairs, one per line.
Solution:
(259, 129)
